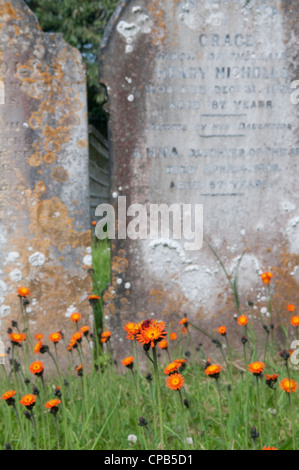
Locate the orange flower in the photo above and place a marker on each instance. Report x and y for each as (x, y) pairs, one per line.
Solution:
(85, 330)
(17, 338)
(132, 329)
(213, 370)
(266, 277)
(28, 401)
(184, 321)
(295, 320)
(175, 381)
(72, 344)
(128, 362)
(23, 292)
(75, 317)
(93, 223)
(77, 336)
(151, 332)
(105, 336)
(39, 336)
(288, 385)
(180, 361)
(256, 368)
(242, 320)
(269, 448)
(36, 368)
(52, 403)
(79, 370)
(171, 368)
(173, 336)
(222, 330)
(55, 337)
(37, 347)
(93, 299)
(291, 307)
(163, 344)
(9, 397)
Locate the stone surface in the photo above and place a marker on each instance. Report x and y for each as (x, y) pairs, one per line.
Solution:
(44, 191)
(200, 112)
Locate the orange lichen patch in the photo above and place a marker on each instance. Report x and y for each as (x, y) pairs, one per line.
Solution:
(49, 158)
(60, 174)
(7, 12)
(48, 106)
(40, 187)
(36, 120)
(69, 121)
(159, 30)
(119, 265)
(61, 134)
(35, 159)
(82, 143)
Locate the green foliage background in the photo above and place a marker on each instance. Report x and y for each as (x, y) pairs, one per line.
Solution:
(82, 24)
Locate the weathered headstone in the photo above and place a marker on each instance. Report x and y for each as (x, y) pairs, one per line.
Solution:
(201, 112)
(45, 233)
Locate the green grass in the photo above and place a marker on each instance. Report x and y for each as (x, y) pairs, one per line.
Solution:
(102, 408)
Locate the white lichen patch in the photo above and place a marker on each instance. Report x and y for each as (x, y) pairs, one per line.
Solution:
(12, 257)
(292, 232)
(87, 260)
(37, 259)
(5, 310)
(141, 24)
(15, 275)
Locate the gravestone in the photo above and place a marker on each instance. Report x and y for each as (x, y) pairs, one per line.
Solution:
(201, 111)
(45, 235)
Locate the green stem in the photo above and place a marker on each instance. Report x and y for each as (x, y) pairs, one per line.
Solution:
(159, 397)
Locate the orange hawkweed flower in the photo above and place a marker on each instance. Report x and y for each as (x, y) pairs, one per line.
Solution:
(77, 336)
(39, 336)
(291, 307)
(23, 292)
(163, 344)
(222, 330)
(17, 338)
(266, 277)
(288, 385)
(85, 330)
(184, 321)
(295, 320)
(72, 344)
(173, 336)
(28, 401)
(93, 223)
(132, 329)
(213, 370)
(256, 368)
(9, 397)
(152, 333)
(55, 337)
(52, 403)
(37, 368)
(93, 299)
(269, 448)
(37, 347)
(242, 320)
(79, 370)
(105, 336)
(128, 362)
(171, 368)
(271, 379)
(75, 317)
(175, 381)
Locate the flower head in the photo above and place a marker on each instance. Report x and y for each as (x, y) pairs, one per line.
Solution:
(269, 448)
(75, 317)
(105, 336)
(36, 368)
(288, 385)
(93, 299)
(151, 333)
(171, 368)
(132, 329)
(9, 397)
(39, 336)
(79, 370)
(85, 330)
(256, 368)
(266, 277)
(55, 337)
(128, 362)
(213, 370)
(184, 322)
(222, 330)
(163, 344)
(38, 347)
(52, 405)
(77, 337)
(28, 401)
(17, 338)
(23, 292)
(291, 307)
(242, 320)
(295, 320)
(271, 379)
(132, 438)
(173, 336)
(175, 381)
